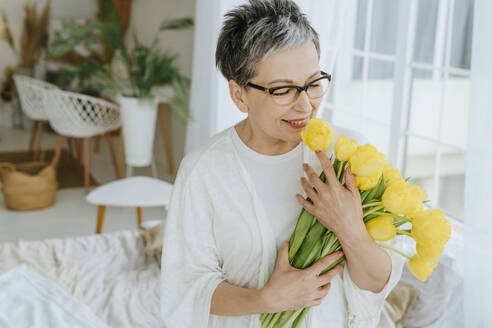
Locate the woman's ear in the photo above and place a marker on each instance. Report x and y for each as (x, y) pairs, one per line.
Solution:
(238, 96)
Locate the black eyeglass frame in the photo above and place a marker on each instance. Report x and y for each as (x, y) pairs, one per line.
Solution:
(270, 91)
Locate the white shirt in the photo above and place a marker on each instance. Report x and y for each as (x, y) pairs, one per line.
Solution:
(274, 178)
(219, 229)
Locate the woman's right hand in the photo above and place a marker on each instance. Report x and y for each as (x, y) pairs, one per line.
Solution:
(291, 289)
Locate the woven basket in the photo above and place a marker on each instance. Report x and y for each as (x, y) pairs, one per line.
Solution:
(28, 186)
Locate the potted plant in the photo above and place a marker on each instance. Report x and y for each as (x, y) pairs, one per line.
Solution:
(131, 76)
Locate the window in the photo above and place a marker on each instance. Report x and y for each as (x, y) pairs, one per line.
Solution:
(402, 79)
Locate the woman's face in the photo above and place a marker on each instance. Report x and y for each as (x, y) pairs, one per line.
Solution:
(294, 66)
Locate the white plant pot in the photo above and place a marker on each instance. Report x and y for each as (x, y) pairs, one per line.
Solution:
(138, 120)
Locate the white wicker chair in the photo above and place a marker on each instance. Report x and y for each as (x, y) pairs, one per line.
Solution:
(74, 115)
(31, 92)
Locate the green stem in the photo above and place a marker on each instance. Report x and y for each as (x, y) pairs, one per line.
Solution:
(372, 204)
(372, 210)
(395, 250)
(400, 223)
(340, 169)
(403, 232)
(403, 218)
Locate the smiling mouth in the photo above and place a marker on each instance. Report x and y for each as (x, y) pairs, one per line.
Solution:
(297, 122)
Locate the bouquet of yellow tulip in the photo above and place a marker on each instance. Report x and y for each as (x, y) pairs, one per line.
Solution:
(388, 202)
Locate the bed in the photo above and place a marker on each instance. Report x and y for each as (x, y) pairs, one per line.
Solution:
(113, 276)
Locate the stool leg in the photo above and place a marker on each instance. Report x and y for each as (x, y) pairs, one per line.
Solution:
(162, 108)
(139, 216)
(154, 168)
(113, 155)
(129, 171)
(100, 218)
(121, 152)
(86, 164)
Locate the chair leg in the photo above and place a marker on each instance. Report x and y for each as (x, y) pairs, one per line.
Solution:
(78, 150)
(59, 146)
(139, 216)
(97, 141)
(113, 155)
(33, 134)
(85, 142)
(70, 142)
(37, 146)
(100, 218)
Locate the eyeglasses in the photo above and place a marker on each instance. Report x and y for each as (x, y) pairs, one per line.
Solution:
(288, 94)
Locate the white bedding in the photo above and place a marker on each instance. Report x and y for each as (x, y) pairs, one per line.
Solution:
(110, 273)
(29, 300)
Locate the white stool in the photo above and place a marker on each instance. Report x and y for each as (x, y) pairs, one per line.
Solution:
(130, 192)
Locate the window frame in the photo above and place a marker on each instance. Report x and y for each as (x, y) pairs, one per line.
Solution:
(404, 65)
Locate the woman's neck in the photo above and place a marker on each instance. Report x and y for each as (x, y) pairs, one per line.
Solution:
(260, 142)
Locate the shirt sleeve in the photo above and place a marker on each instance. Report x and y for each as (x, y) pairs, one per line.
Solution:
(190, 264)
(364, 306)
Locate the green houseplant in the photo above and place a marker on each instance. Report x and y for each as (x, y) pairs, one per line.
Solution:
(131, 76)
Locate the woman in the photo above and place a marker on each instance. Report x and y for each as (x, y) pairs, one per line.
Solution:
(236, 199)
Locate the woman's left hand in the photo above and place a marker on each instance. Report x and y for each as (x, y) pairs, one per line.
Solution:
(336, 206)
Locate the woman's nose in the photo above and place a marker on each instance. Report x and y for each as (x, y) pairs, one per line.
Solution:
(302, 102)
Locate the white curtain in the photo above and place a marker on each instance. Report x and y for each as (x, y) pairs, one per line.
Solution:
(210, 104)
(478, 196)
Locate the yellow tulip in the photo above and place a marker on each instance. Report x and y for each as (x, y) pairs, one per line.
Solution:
(391, 174)
(430, 251)
(400, 198)
(381, 228)
(421, 267)
(367, 161)
(366, 183)
(430, 227)
(344, 148)
(319, 135)
(418, 192)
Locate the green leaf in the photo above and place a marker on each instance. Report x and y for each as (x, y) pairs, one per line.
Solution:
(176, 24)
(70, 36)
(303, 225)
(311, 247)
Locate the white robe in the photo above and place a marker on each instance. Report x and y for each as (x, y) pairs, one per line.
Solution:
(217, 230)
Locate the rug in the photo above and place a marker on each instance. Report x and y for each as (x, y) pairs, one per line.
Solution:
(69, 173)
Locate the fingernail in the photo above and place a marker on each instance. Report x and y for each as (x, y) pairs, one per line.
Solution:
(318, 151)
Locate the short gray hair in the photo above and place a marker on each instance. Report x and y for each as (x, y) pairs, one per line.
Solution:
(253, 31)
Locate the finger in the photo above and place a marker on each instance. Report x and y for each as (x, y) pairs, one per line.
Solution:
(327, 277)
(283, 256)
(305, 204)
(323, 290)
(313, 177)
(331, 178)
(310, 192)
(325, 262)
(350, 181)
